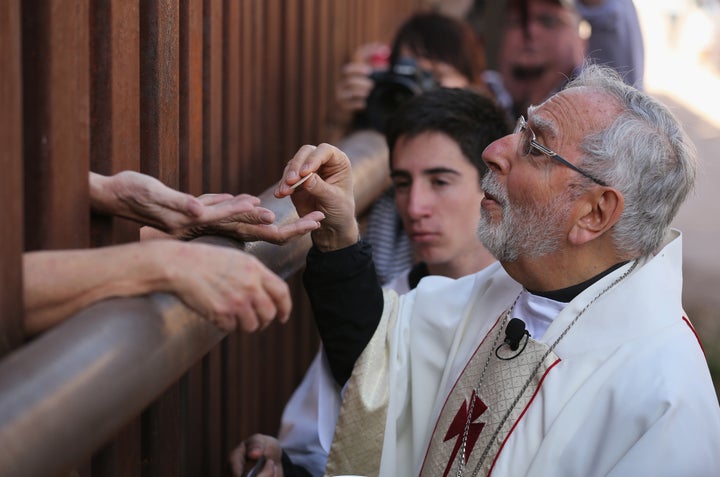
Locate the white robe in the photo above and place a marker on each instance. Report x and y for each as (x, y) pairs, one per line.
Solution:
(631, 395)
(309, 418)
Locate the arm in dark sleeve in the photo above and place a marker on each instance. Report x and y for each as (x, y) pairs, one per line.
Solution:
(347, 301)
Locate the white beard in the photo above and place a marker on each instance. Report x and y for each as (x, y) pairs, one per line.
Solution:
(523, 230)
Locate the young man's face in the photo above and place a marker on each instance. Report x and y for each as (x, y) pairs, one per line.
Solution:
(438, 196)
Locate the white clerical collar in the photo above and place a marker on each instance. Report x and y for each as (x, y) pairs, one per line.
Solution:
(537, 312)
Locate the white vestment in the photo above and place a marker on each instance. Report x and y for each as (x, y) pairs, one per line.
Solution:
(630, 393)
(309, 418)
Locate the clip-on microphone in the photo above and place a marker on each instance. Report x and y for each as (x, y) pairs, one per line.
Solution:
(514, 332)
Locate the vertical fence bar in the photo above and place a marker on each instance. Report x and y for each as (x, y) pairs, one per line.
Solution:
(115, 146)
(191, 97)
(231, 172)
(191, 180)
(213, 182)
(55, 123)
(160, 150)
(11, 180)
(159, 89)
(211, 95)
(114, 103)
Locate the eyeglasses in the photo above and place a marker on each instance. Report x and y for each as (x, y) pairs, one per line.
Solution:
(528, 141)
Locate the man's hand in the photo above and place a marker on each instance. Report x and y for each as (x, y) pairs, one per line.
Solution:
(354, 85)
(240, 218)
(170, 213)
(144, 199)
(329, 191)
(249, 452)
(230, 288)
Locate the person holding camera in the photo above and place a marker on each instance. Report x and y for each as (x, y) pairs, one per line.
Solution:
(429, 50)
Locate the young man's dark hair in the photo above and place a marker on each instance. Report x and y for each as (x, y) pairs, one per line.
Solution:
(470, 119)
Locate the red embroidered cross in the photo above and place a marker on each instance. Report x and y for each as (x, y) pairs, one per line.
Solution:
(457, 428)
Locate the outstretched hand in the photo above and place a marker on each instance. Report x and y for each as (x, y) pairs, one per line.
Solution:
(329, 190)
(241, 218)
(144, 199)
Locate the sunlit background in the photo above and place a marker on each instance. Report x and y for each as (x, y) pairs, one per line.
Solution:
(682, 48)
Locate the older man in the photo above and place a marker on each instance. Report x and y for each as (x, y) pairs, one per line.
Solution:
(611, 379)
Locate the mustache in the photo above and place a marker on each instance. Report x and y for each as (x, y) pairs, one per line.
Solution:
(492, 187)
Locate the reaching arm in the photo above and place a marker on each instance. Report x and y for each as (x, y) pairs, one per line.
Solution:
(142, 198)
(229, 288)
(347, 303)
(340, 277)
(172, 214)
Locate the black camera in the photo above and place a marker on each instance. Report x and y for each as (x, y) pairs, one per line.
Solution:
(394, 87)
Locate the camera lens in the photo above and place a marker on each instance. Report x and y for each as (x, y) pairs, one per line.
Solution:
(385, 99)
(393, 88)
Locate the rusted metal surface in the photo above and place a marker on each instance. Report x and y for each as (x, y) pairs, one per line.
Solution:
(11, 179)
(191, 97)
(180, 90)
(114, 105)
(74, 387)
(55, 123)
(159, 89)
(99, 369)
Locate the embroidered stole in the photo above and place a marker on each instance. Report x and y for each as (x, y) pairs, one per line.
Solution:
(358, 440)
(505, 391)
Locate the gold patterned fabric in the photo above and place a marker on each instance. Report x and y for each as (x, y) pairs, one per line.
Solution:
(358, 440)
(506, 388)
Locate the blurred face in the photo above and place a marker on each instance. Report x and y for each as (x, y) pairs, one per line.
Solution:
(445, 75)
(529, 203)
(438, 196)
(534, 62)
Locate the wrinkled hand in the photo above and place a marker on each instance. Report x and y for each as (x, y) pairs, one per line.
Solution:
(230, 288)
(329, 190)
(144, 199)
(240, 218)
(244, 456)
(354, 85)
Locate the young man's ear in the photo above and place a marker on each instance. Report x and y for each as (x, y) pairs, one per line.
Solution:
(599, 210)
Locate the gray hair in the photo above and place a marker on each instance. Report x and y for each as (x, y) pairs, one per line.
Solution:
(646, 155)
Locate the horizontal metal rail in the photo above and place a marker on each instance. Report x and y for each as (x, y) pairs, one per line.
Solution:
(63, 395)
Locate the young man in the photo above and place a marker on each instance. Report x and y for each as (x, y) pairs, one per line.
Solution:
(611, 379)
(436, 142)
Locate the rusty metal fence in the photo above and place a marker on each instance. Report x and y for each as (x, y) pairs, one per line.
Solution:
(206, 95)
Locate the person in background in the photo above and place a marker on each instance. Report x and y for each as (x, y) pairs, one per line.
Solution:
(444, 48)
(616, 38)
(541, 49)
(436, 142)
(602, 368)
(544, 43)
(228, 287)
